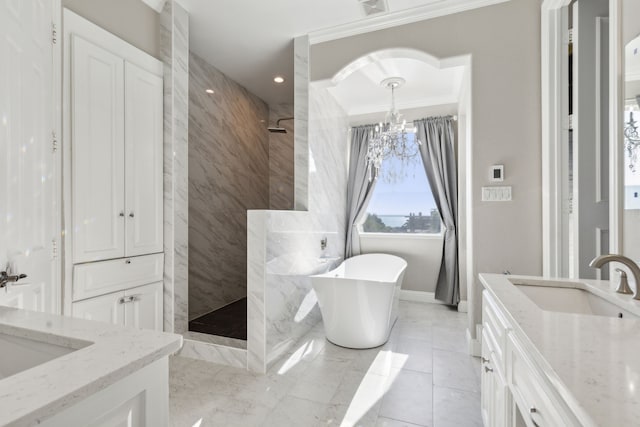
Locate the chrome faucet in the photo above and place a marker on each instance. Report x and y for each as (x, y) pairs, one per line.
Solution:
(6, 278)
(601, 260)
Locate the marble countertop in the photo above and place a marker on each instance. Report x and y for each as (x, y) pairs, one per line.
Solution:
(594, 361)
(106, 353)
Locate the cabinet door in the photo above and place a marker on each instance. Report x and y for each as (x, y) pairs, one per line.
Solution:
(143, 164)
(108, 308)
(97, 145)
(144, 307)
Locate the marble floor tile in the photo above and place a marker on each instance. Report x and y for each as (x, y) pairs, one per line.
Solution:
(450, 339)
(418, 378)
(409, 399)
(419, 354)
(388, 422)
(454, 370)
(454, 408)
(300, 412)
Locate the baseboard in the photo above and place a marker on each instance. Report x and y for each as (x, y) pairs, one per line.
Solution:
(214, 353)
(421, 296)
(418, 296)
(463, 307)
(475, 344)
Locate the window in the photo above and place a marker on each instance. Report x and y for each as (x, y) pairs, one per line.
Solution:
(405, 205)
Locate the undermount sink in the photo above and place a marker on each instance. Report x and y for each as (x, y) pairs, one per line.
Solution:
(572, 300)
(19, 354)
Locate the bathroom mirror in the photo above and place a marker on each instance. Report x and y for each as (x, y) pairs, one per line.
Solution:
(630, 138)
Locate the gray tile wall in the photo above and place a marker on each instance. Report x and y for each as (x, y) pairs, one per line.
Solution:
(281, 159)
(228, 174)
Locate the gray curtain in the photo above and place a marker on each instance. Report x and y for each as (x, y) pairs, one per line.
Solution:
(436, 135)
(359, 187)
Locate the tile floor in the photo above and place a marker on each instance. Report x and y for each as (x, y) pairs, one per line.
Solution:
(421, 377)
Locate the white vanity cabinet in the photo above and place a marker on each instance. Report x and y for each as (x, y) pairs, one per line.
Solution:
(515, 391)
(495, 397)
(116, 155)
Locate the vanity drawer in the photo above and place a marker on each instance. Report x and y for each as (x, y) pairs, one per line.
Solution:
(99, 278)
(538, 403)
(494, 324)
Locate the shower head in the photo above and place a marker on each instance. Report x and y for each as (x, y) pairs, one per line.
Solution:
(277, 128)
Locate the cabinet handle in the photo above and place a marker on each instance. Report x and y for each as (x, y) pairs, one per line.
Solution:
(131, 215)
(485, 360)
(535, 416)
(128, 298)
(488, 369)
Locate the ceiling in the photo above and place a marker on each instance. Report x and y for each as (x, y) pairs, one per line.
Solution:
(251, 41)
(426, 85)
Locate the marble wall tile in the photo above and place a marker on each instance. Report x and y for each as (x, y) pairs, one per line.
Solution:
(228, 174)
(281, 159)
(174, 46)
(284, 246)
(256, 278)
(301, 113)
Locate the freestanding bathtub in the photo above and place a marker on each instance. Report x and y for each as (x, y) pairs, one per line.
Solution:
(359, 299)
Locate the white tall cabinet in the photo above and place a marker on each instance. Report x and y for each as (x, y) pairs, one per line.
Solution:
(114, 153)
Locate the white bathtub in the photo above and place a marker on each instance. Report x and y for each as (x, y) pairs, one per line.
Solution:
(359, 299)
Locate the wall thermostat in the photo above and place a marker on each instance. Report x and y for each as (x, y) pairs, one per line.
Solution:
(497, 173)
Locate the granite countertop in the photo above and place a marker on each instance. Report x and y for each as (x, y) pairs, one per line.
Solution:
(593, 361)
(106, 353)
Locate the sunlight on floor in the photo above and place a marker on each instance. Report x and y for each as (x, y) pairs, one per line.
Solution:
(306, 349)
(374, 385)
(306, 306)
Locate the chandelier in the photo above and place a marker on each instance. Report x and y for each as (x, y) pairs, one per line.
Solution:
(632, 139)
(391, 138)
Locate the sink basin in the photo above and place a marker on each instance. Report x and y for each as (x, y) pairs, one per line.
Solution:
(19, 354)
(572, 300)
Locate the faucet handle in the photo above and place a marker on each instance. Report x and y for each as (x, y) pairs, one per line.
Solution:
(623, 285)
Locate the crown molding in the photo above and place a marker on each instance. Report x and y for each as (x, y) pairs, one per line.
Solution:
(402, 17)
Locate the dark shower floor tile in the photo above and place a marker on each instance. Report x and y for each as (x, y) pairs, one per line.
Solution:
(228, 321)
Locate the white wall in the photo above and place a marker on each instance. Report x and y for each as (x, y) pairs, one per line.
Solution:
(131, 20)
(422, 253)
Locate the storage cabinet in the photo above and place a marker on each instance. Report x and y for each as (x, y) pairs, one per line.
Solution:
(113, 153)
(139, 307)
(116, 128)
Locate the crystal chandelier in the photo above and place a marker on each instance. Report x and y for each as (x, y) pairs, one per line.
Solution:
(632, 139)
(390, 138)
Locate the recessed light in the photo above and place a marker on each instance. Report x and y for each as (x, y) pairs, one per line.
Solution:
(278, 79)
(210, 91)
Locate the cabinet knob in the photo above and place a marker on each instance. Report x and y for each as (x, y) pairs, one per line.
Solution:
(121, 214)
(131, 215)
(485, 360)
(128, 261)
(488, 369)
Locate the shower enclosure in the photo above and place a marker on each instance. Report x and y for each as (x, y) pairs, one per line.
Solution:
(235, 164)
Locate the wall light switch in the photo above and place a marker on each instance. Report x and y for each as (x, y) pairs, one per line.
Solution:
(496, 194)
